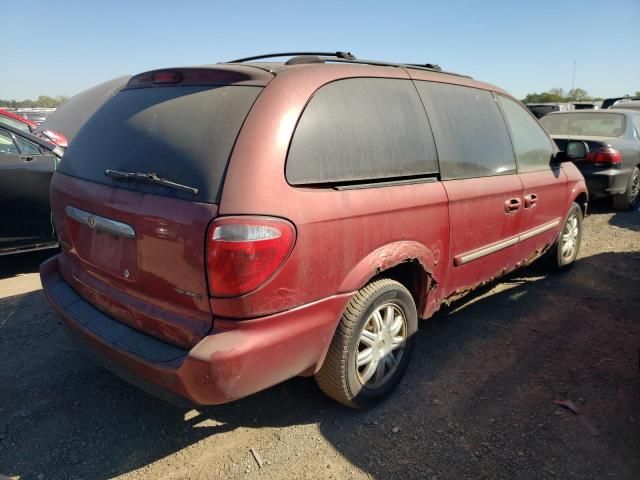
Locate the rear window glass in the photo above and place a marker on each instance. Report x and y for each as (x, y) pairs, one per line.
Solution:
(12, 122)
(591, 124)
(184, 134)
(472, 137)
(362, 129)
(71, 115)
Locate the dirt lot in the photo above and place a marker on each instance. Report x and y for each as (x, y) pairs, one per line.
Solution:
(476, 402)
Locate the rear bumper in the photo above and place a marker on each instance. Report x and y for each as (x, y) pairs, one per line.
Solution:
(236, 359)
(604, 182)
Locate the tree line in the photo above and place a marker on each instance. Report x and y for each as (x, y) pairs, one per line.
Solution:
(558, 95)
(43, 101)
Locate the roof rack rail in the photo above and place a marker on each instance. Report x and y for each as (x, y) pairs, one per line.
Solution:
(342, 55)
(430, 67)
(298, 58)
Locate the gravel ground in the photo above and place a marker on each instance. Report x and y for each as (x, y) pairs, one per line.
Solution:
(476, 401)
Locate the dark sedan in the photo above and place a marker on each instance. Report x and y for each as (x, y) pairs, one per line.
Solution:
(612, 164)
(26, 165)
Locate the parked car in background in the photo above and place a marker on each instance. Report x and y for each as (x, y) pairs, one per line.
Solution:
(21, 123)
(608, 102)
(541, 109)
(224, 228)
(16, 121)
(26, 165)
(627, 105)
(611, 165)
(584, 105)
(36, 115)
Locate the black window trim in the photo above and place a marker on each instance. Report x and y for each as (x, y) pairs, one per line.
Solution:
(376, 182)
(364, 183)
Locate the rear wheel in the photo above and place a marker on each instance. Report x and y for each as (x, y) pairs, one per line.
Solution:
(372, 345)
(565, 250)
(629, 200)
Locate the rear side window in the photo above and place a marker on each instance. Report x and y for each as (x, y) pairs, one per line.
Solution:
(182, 133)
(361, 129)
(6, 144)
(582, 123)
(530, 142)
(472, 138)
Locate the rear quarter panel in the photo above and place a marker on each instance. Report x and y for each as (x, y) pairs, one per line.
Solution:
(575, 184)
(336, 230)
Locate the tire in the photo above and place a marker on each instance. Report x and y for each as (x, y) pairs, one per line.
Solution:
(385, 309)
(629, 200)
(564, 251)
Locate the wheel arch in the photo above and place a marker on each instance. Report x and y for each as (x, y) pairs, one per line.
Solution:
(582, 199)
(408, 262)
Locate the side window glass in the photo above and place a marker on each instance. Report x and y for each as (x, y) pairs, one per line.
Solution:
(530, 142)
(472, 138)
(26, 147)
(12, 122)
(6, 144)
(361, 129)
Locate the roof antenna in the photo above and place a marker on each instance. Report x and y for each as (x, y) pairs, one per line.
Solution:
(573, 77)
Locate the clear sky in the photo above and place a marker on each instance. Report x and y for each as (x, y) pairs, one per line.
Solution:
(61, 47)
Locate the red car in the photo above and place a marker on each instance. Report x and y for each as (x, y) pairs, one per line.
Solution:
(16, 121)
(225, 228)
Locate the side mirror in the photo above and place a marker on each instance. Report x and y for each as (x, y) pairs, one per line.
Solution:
(575, 150)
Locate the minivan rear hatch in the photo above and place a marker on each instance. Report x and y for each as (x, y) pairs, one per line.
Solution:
(133, 242)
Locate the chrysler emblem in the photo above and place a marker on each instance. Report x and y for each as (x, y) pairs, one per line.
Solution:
(92, 222)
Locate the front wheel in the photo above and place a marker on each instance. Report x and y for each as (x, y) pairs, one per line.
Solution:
(630, 199)
(370, 350)
(565, 250)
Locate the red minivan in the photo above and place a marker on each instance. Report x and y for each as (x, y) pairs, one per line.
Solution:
(224, 228)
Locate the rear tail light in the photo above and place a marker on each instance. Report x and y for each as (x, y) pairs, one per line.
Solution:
(244, 252)
(604, 156)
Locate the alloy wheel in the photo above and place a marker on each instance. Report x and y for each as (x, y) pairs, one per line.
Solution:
(380, 345)
(634, 188)
(570, 236)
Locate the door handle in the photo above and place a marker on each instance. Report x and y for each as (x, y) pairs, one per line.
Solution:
(26, 158)
(512, 205)
(530, 200)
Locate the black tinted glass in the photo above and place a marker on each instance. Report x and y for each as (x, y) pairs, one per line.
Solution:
(71, 115)
(361, 129)
(472, 137)
(184, 134)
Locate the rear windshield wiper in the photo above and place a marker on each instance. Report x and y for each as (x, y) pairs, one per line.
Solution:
(150, 177)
